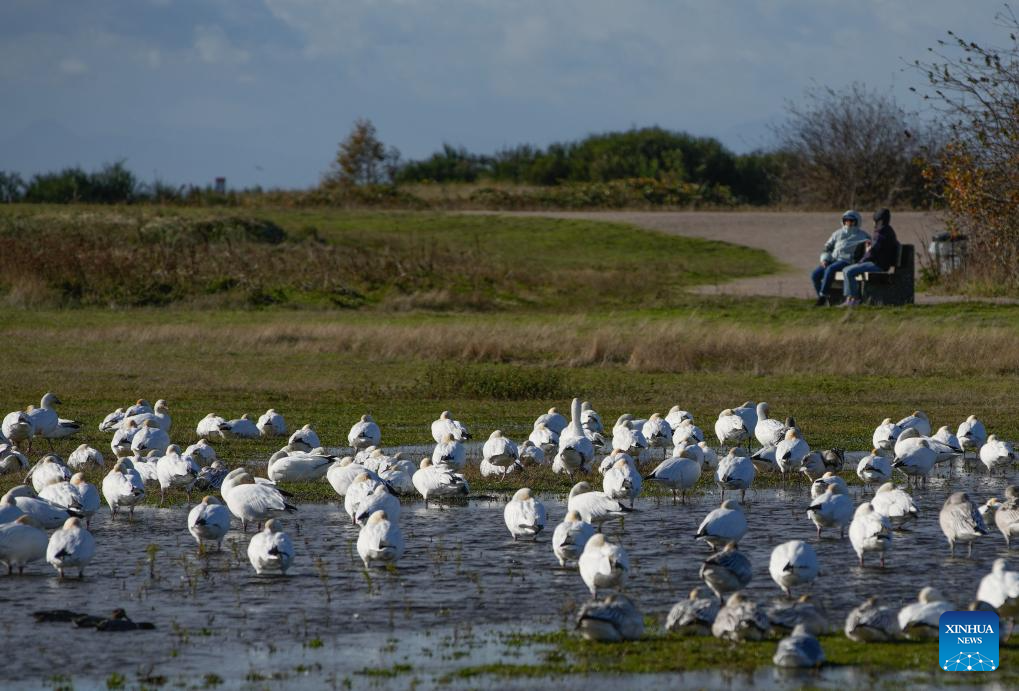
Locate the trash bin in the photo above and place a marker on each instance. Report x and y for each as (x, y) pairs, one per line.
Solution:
(948, 251)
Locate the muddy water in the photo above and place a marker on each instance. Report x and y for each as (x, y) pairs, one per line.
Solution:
(462, 581)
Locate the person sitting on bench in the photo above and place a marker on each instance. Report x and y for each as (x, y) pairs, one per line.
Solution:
(881, 255)
(839, 252)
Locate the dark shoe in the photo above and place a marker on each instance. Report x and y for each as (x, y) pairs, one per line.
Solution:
(822, 301)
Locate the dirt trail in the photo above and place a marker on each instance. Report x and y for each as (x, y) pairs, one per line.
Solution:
(793, 237)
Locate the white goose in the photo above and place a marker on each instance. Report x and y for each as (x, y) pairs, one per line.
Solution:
(687, 432)
(45, 419)
(921, 620)
(595, 507)
(554, 420)
(112, 421)
(524, 515)
(270, 550)
(1006, 514)
(300, 467)
(22, 541)
(694, 615)
(730, 428)
(209, 520)
(996, 453)
(1000, 588)
(872, 622)
(735, 472)
(438, 481)
(304, 439)
(202, 452)
(614, 619)
(896, 504)
(17, 427)
(870, 532)
(657, 431)
(531, 454)
(71, 547)
(364, 433)
(792, 564)
(545, 438)
(603, 564)
(833, 509)
(122, 438)
(447, 425)
(211, 426)
(174, 470)
(272, 424)
(570, 538)
(450, 452)
(382, 499)
(769, 432)
(576, 451)
(971, 433)
(242, 428)
(874, 469)
(252, 501)
(590, 420)
(679, 474)
(918, 421)
(84, 456)
(159, 417)
(49, 470)
(790, 452)
(150, 438)
(727, 571)
(724, 525)
(360, 490)
(343, 472)
(47, 514)
(961, 522)
(676, 416)
(886, 434)
(799, 649)
(917, 462)
(380, 541)
(622, 481)
(77, 495)
(500, 451)
(123, 489)
(740, 619)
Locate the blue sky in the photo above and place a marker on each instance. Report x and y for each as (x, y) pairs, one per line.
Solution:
(261, 91)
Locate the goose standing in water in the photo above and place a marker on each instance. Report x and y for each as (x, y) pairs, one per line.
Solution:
(76, 494)
(833, 509)
(300, 467)
(447, 425)
(209, 520)
(872, 622)
(724, 525)
(996, 453)
(921, 620)
(793, 563)
(695, 615)
(524, 516)
(270, 550)
(614, 619)
(271, 424)
(173, 470)
(71, 547)
(874, 469)
(799, 649)
(576, 451)
(896, 504)
(252, 501)
(917, 461)
(364, 433)
(726, 572)
(961, 522)
(22, 541)
(971, 434)
(123, 488)
(1006, 514)
(622, 481)
(730, 428)
(570, 538)
(870, 532)
(380, 541)
(735, 472)
(680, 473)
(603, 564)
(1000, 589)
(740, 619)
(657, 432)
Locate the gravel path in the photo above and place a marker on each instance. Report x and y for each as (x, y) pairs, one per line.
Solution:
(793, 237)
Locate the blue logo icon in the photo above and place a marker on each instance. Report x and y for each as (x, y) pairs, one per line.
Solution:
(968, 642)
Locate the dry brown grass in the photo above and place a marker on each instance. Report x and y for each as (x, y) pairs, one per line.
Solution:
(676, 346)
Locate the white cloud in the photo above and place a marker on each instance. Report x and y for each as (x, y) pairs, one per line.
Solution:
(214, 47)
(72, 67)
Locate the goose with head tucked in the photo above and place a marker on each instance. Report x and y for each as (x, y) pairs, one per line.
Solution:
(364, 433)
(500, 451)
(595, 507)
(450, 452)
(833, 509)
(252, 501)
(202, 452)
(916, 461)
(793, 564)
(679, 473)
(686, 432)
(122, 438)
(439, 482)
(304, 439)
(870, 532)
(785, 615)
(622, 481)
(918, 421)
(545, 438)
(83, 457)
(524, 515)
(730, 428)
(71, 547)
(971, 434)
(271, 550)
(996, 453)
(17, 427)
(735, 472)
(78, 495)
(272, 424)
(724, 525)
(49, 470)
(150, 438)
(553, 419)
(343, 472)
(447, 425)
(874, 469)
(209, 521)
(174, 470)
(123, 487)
(590, 420)
(790, 452)
(531, 454)
(301, 467)
(211, 426)
(576, 451)
(920, 620)
(872, 622)
(159, 417)
(382, 499)
(886, 434)
(380, 542)
(242, 428)
(799, 649)
(613, 619)
(727, 571)
(961, 521)
(570, 538)
(12, 460)
(22, 541)
(676, 416)
(47, 514)
(112, 421)
(896, 504)
(740, 619)
(603, 564)
(657, 432)
(694, 615)
(627, 437)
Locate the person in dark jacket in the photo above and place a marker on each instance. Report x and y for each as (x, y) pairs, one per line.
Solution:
(881, 255)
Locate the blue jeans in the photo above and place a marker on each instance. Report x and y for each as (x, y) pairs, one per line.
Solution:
(852, 288)
(824, 275)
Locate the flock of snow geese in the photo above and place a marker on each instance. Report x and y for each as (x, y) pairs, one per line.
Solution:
(57, 497)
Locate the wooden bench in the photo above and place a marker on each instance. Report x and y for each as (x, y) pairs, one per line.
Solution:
(892, 287)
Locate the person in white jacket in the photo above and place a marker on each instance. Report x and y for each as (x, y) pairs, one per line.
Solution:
(839, 252)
